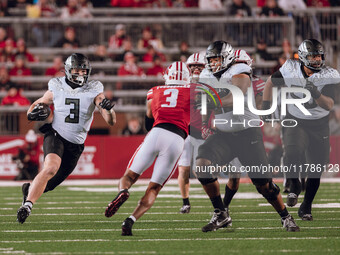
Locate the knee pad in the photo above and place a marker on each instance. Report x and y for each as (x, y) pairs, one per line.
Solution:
(271, 193)
(205, 181)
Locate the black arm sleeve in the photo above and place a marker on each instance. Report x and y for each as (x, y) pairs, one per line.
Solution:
(149, 123)
(277, 79)
(329, 90)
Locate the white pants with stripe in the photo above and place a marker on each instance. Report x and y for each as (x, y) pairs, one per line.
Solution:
(163, 144)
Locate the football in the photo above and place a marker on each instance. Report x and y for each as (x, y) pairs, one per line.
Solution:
(40, 112)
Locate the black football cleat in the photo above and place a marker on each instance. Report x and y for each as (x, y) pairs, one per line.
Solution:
(289, 224)
(220, 219)
(23, 212)
(117, 202)
(127, 227)
(24, 189)
(292, 199)
(305, 212)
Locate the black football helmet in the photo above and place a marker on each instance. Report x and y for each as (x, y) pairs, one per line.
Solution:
(309, 48)
(223, 50)
(77, 61)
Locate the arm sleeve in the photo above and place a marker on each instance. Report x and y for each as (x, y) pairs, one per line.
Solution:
(277, 79)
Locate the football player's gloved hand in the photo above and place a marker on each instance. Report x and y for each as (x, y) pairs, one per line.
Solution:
(313, 90)
(107, 104)
(266, 106)
(206, 131)
(210, 103)
(40, 112)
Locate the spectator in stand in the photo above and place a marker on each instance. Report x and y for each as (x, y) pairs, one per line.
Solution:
(124, 3)
(5, 82)
(100, 3)
(127, 47)
(261, 53)
(151, 53)
(101, 54)
(14, 97)
(86, 4)
(210, 4)
(20, 68)
(289, 5)
(287, 49)
(75, 10)
(162, 3)
(8, 54)
(271, 9)
(281, 60)
(133, 127)
(4, 9)
(3, 38)
(57, 70)
(183, 52)
(261, 3)
(157, 69)
(69, 41)
(27, 158)
(22, 50)
(148, 39)
(239, 9)
(48, 8)
(318, 3)
(129, 67)
(117, 40)
(271, 32)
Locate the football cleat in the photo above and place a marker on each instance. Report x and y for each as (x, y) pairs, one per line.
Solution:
(185, 209)
(305, 212)
(289, 224)
(127, 227)
(24, 189)
(220, 219)
(292, 199)
(23, 212)
(117, 202)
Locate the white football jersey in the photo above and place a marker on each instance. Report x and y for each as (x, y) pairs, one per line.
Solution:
(73, 108)
(234, 122)
(293, 77)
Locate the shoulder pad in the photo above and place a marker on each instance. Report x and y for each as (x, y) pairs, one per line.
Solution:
(238, 69)
(55, 83)
(96, 86)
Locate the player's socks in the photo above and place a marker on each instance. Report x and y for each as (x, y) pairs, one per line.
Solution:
(186, 201)
(228, 196)
(217, 203)
(284, 213)
(312, 186)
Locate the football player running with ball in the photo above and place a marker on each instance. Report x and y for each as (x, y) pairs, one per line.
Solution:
(75, 99)
(234, 141)
(309, 139)
(169, 106)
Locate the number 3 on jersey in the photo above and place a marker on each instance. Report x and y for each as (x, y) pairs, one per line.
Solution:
(172, 98)
(73, 117)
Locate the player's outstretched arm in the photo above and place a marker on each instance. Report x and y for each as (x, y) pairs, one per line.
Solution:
(105, 107)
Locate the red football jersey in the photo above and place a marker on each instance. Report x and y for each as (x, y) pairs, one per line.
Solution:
(171, 104)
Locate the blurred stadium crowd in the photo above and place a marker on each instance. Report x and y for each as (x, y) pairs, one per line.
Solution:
(125, 39)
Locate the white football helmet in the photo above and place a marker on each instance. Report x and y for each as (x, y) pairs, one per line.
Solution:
(241, 56)
(196, 63)
(177, 73)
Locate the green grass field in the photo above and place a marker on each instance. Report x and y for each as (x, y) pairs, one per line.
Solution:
(70, 220)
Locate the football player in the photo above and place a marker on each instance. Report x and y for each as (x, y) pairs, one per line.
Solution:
(196, 63)
(234, 141)
(169, 106)
(310, 137)
(75, 99)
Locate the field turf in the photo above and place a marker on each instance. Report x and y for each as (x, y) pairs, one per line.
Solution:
(70, 220)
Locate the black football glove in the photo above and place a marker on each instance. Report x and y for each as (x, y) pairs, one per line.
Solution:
(266, 106)
(106, 104)
(40, 112)
(210, 103)
(313, 90)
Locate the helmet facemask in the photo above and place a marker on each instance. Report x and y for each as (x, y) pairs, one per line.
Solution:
(77, 62)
